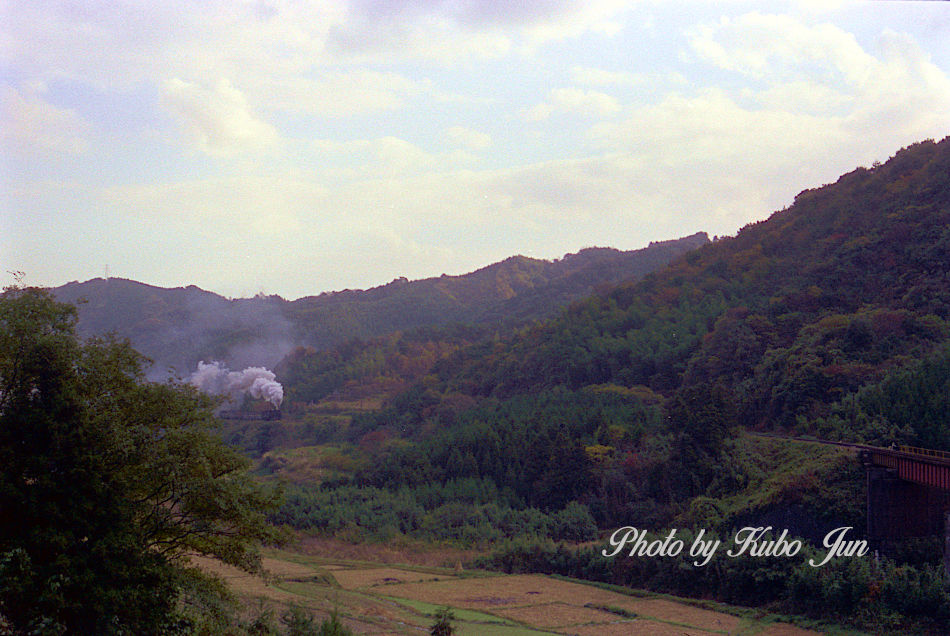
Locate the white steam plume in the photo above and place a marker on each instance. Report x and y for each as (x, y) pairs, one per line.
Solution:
(261, 383)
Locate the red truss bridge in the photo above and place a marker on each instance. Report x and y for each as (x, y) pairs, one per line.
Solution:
(918, 465)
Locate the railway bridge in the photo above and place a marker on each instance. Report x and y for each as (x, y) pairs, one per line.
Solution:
(908, 495)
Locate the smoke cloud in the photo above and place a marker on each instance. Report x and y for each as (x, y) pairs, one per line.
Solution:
(261, 383)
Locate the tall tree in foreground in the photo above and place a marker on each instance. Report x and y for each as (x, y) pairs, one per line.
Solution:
(108, 483)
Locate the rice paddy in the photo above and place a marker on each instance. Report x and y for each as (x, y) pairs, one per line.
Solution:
(374, 598)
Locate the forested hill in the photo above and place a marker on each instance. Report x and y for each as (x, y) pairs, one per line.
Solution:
(177, 327)
(788, 318)
(830, 319)
(508, 292)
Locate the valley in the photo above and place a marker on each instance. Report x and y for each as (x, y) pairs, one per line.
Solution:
(387, 598)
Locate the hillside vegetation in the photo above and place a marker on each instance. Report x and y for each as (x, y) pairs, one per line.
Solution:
(790, 316)
(828, 319)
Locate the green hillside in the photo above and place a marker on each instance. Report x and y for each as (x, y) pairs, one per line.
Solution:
(178, 327)
(790, 316)
(632, 405)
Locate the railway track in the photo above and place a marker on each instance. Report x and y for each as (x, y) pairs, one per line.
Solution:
(923, 454)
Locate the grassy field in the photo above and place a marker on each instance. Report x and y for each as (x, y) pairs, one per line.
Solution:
(387, 598)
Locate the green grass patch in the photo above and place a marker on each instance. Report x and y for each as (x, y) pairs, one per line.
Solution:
(471, 622)
(429, 609)
(821, 479)
(619, 611)
(466, 629)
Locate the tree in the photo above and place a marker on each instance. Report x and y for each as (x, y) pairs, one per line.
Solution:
(700, 418)
(108, 483)
(299, 622)
(333, 626)
(443, 623)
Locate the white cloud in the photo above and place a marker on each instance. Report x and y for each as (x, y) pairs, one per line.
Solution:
(226, 210)
(371, 39)
(30, 123)
(330, 146)
(818, 105)
(906, 93)
(419, 219)
(867, 101)
(467, 138)
(218, 119)
(284, 232)
(711, 156)
(803, 96)
(280, 56)
(709, 123)
(599, 77)
(538, 112)
(452, 32)
(821, 6)
(781, 48)
(397, 156)
(574, 101)
(123, 44)
(575, 19)
(335, 94)
(386, 158)
(111, 44)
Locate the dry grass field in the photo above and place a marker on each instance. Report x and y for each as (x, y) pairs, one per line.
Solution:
(551, 615)
(352, 579)
(403, 552)
(374, 598)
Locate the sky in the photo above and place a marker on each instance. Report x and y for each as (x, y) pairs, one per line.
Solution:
(298, 147)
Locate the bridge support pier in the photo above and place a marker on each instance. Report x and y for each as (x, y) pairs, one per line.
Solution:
(899, 509)
(946, 542)
(908, 496)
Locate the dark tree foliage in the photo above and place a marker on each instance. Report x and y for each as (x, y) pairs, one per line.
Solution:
(106, 483)
(380, 365)
(701, 417)
(909, 406)
(535, 446)
(442, 626)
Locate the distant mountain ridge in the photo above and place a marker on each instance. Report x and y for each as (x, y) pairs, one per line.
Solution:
(177, 327)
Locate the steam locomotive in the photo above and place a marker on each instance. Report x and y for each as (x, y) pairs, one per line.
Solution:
(270, 415)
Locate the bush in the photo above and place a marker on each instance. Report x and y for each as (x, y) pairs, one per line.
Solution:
(443, 623)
